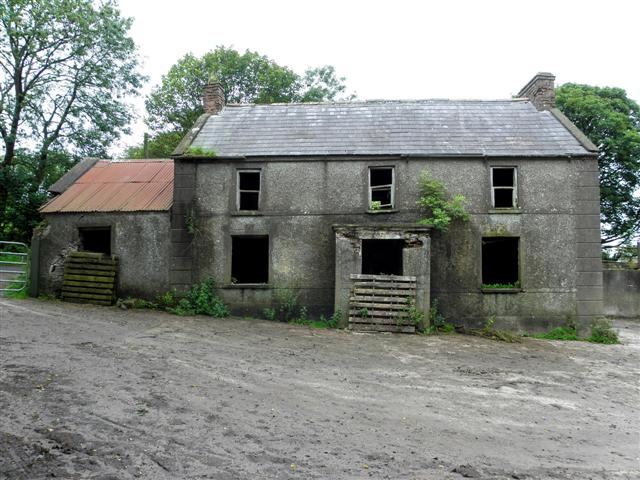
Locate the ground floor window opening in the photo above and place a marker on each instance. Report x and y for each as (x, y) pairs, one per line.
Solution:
(95, 239)
(500, 261)
(382, 257)
(250, 259)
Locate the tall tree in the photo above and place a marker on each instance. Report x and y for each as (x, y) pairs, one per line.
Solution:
(65, 66)
(611, 120)
(174, 105)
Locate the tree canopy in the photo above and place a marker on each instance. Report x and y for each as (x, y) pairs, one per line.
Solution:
(65, 67)
(174, 105)
(611, 121)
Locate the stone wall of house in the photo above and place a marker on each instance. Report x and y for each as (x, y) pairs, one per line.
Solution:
(621, 291)
(139, 239)
(561, 278)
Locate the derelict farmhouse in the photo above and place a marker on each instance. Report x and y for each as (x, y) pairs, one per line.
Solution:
(321, 197)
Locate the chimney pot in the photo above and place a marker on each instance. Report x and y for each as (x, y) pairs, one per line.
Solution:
(540, 91)
(213, 98)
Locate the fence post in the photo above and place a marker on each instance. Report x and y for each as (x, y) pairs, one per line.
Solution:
(34, 273)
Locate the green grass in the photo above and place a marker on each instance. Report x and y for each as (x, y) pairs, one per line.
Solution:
(441, 329)
(21, 295)
(558, 333)
(601, 332)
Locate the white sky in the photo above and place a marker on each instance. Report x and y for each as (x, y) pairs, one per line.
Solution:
(404, 49)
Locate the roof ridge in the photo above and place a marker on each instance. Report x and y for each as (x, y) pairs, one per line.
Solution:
(384, 101)
(135, 160)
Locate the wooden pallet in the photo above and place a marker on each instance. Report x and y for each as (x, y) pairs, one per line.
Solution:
(90, 278)
(380, 303)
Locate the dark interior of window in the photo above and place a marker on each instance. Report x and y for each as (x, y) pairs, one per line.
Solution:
(381, 180)
(250, 259)
(503, 197)
(382, 257)
(96, 240)
(500, 260)
(249, 190)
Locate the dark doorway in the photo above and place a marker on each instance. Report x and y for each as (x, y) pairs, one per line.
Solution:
(250, 259)
(382, 257)
(95, 239)
(500, 265)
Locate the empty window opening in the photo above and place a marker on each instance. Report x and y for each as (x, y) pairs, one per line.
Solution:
(381, 192)
(500, 264)
(382, 257)
(248, 189)
(97, 240)
(503, 187)
(250, 259)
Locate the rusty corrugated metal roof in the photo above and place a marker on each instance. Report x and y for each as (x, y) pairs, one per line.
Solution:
(121, 186)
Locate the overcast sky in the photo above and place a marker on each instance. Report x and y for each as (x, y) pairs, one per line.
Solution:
(404, 49)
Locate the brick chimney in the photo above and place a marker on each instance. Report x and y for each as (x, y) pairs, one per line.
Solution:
(213, 97)
(540, 91)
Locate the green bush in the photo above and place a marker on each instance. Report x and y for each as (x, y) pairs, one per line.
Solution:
(602, 332)
(269, 314)
(433, 202)
(199, 300)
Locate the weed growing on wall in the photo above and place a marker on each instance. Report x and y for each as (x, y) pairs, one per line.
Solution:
(441, 211)
(200, 152)
(515, 284)
(437, 323)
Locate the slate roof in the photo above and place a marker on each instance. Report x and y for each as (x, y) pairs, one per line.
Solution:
(423, 128)
(121, 186)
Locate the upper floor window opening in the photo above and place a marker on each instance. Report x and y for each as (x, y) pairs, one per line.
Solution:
(504, 187)
(381, 188)
(248, 190)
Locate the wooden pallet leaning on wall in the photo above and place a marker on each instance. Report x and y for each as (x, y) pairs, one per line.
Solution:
(381, 303)
(90, 278)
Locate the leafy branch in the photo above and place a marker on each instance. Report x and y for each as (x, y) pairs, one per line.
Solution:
(433, 201)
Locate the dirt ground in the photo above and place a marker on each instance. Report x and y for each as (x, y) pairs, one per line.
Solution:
(102, 393)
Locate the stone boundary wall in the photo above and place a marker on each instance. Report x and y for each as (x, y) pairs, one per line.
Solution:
(621, 292)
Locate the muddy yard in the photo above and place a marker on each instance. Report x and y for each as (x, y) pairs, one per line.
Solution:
(101, 393)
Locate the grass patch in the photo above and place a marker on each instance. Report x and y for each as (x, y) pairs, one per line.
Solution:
(558, 333)
(602, 331)
(17, 295)
(323, 323)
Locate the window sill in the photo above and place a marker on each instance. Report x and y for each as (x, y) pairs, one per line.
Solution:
(381, 211)
(254, 286)
(246, 213)
(501, 290)
(512, 211)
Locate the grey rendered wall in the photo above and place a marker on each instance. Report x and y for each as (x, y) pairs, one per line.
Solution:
(622, 292)
(588, 249)
(301, 200)
(140, 240)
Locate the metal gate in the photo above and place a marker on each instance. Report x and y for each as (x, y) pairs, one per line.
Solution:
(14, 266)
